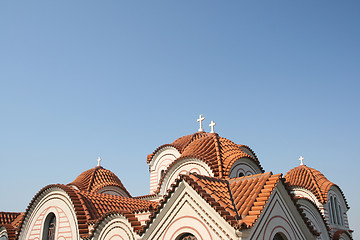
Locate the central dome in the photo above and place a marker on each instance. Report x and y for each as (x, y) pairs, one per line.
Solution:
(217, 152)
(101, 180)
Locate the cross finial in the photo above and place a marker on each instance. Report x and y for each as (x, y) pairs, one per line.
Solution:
(200, 120)
(301, 160)
(212, 124)
(99, 160)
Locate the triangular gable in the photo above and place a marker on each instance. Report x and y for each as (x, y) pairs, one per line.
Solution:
(281, 214)
(239, 201)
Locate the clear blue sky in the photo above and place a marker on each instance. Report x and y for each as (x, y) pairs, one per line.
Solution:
(79, 79)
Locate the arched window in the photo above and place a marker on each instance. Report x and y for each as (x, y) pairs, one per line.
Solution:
(49, 227)
(186, 236)
(241, 174)
(338, 212)
(279, 236)
(331, 217)
(332, 209)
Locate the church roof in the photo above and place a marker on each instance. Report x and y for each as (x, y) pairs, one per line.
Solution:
(96, 178)
(240, 201)
(8, 217)
(11, 221)
(219, 153)
(92, 207)
(312, 180)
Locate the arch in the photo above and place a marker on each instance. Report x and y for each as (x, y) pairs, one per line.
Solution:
(186, 236)
(3, 233)
(244, 165)
(187, 225)
(184, 166)
(315, 217)
(279, 236)
(114, 227)
(51, 199)
(113, 190)
(49, 227)
(336, 207)
(159, 163)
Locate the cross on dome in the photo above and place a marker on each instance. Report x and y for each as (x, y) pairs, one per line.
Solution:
(212, 124)
(301, 160)
(200, 120)
(99, 160)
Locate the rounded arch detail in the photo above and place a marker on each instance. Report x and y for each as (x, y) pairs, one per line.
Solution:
(278, 224)
(187, 224)
(54, 203)
(184, 166)
(114, 227)
(245, 166)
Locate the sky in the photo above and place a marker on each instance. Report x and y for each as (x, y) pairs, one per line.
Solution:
(116, 79)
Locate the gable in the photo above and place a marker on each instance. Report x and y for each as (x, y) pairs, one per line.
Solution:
(185, 211)
(280, 215)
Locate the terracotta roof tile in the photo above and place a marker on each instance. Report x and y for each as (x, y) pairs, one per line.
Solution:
(92, 207)
(8, 217)
(219, 153)
(239, 201)
(312, 180)
(10, 221)
(181, 143)
(96, 178)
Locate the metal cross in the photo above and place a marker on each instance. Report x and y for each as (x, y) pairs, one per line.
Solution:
(200, 120)
(99, 160)
(301, 160)
(212, 124)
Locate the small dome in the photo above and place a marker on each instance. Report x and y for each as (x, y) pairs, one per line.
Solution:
(310, 179)
(96, 179)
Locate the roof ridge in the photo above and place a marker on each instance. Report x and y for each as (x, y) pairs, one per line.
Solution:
(92, 178)
(218, 155)
(232, 200)
(315, 182)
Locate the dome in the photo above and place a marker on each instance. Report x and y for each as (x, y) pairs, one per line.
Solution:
(310, 179)
(217, 152)
(97, 179)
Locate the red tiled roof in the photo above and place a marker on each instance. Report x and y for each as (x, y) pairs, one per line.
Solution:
(96, 178)
(92, 207)
(219, 153)
(312, 180)
(8, 217)
(180, 143)
(239, 201)
(10, 221)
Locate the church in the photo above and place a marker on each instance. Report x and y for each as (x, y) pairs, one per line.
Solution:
(202, 186)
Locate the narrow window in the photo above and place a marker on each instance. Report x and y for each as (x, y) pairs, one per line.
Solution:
(49, 227)
(341, 216)
(333, 210)
(337, 211)
(330, 211)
